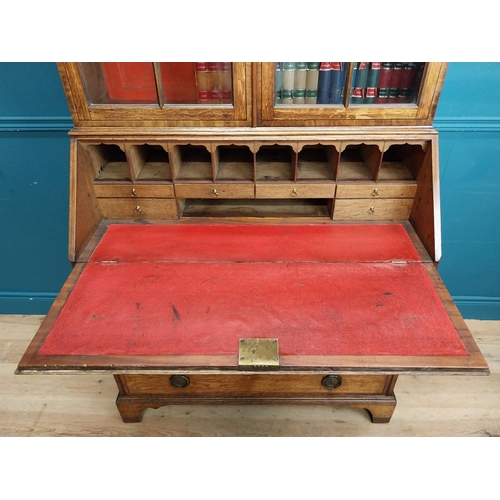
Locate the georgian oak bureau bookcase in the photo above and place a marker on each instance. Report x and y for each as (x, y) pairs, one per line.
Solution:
(254, 233)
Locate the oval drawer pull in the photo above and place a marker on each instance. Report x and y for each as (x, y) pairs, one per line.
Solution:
(375, 192)
(295, 192)
(215, 193)
(371, 210)
(133, 192)
(331, 381)
(179, 381)
(138, 209)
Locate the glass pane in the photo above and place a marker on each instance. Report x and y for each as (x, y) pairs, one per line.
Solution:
(119, 83)
(310, 83)
(197, 83)
(386, 83)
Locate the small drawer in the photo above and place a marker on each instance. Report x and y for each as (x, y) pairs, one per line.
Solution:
(252, 384)
(214, 191)
(373, 209)
(276, 190)
(133, 191)
(141, 208)
(379, 190)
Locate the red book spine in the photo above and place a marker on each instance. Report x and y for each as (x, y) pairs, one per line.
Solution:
(384, 82)
(226, 86)
(201, 71)
(214, 80)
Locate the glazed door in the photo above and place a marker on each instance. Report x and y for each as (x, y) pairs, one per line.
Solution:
(158, 93)
(347, 94)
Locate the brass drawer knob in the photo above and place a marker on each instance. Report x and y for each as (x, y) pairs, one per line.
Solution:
(331, 381)
(371, 210)
(215, 193)
(375, 192)
(138, 209)
(179, 381)
(133, 192)
(295, 192)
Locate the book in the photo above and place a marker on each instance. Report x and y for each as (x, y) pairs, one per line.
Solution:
(372, 82)
(299, 83)
(278, 81)
(225, 83)
(324, 77)
(288, 81)
(312, 82)
(359, 90)
(336, 83)
(384, 82)
(405, 93)
(213, 78)
(202, 83)
(396, 80)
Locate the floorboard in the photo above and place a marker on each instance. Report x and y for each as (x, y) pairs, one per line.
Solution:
(84, 405)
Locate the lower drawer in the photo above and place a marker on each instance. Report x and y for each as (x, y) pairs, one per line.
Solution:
(252, 384)
(138, 208)
(377, 210)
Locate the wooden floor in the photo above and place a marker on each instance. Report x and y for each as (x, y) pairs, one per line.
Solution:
(84, 405)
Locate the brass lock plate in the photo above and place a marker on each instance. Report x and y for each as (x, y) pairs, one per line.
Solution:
(258, 354)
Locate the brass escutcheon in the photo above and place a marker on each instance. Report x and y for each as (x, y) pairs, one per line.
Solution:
(179, 381)
(331, 381)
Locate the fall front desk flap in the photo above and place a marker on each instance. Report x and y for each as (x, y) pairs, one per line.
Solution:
(354, 290)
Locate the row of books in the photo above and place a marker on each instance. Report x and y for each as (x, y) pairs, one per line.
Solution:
(325, 82)
(310, 82)
(385, 82)
(213, 82)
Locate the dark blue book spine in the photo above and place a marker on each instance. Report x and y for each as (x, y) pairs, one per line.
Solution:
(335, 83)
(324, 77)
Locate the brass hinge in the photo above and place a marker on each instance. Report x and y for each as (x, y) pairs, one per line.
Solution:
(258, 354)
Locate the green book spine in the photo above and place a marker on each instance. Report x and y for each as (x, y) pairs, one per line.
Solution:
(299, 83)
(358, 93)
(312, 82)
(278, 80)
(288, 80)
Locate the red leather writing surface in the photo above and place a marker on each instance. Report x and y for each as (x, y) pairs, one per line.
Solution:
(314, 307)
(256, 243)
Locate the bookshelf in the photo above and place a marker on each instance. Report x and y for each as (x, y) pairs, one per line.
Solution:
(206, 185)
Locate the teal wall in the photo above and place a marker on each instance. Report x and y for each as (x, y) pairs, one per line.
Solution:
(34, 177)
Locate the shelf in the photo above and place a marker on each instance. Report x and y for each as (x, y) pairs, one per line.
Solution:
(274, 163)
(235, 163)
(398, 160)
(151, 163)
(352, 166)
(195, 164)
(256, 208)
(110, 163)
(316, 163)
